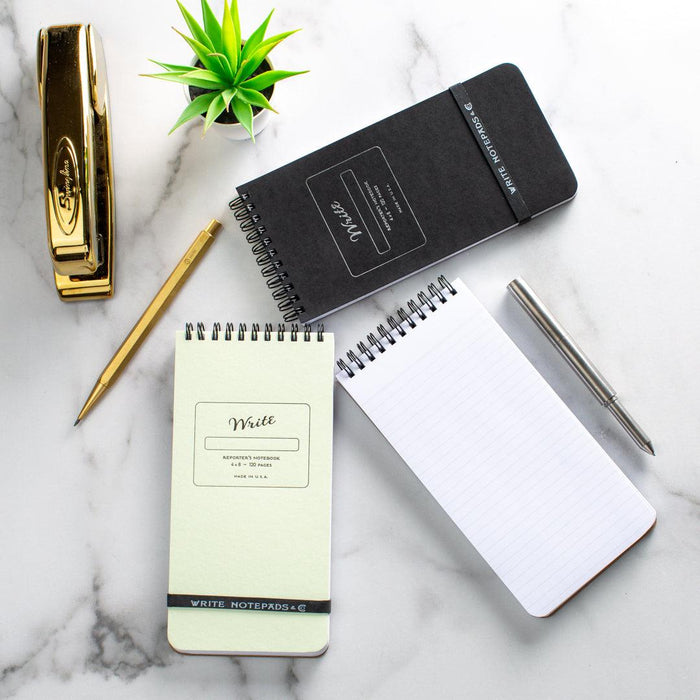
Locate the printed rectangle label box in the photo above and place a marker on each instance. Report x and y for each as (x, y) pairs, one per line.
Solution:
(251, 444)
(365, 211)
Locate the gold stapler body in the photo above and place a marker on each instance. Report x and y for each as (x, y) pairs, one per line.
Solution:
(78, 180)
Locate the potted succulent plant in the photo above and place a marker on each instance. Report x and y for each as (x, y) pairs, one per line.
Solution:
(231, 79)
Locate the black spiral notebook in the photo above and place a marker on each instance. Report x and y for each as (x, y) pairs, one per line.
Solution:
(400, 195)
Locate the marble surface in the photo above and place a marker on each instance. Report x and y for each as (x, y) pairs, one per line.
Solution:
(417, 614)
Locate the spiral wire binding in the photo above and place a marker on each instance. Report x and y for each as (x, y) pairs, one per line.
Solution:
(376, 343)
(385, 334)
(267, 334)
(419, 310)
(271, 267)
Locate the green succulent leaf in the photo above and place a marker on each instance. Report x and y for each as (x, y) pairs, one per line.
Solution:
(255, 98)
(237, 80)
(226, 65)
(216, 107)
(236, 26)
(186, 79)
(202, 36)
(250, 65)
(211, 25)
(244, 114)
(170, 75)
(201, 51)
(207, 76)
(278, 37)
(270, 77)
(198, 106)
(228, 95)
(255, 38)
(173, 67)
(230, 39)
(259, 56)
(197, 32)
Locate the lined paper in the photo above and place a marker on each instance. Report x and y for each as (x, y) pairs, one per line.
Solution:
(510, 464)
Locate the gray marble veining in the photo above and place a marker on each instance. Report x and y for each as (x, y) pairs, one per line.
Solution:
(417, 614)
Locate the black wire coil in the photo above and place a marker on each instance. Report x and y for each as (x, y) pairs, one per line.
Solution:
(268, 332)
(417, 311)
(271, 267)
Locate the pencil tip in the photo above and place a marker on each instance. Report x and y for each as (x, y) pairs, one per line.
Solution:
(77, 420)
(649, 448)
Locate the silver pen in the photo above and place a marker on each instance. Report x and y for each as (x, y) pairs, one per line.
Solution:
(573, 354)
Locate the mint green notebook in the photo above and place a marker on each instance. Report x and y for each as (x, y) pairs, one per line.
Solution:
(251, 492)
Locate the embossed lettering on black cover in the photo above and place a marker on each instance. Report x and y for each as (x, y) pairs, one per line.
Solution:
(404, 193)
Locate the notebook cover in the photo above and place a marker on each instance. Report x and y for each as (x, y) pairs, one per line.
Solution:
(251, 495)
(402, 194)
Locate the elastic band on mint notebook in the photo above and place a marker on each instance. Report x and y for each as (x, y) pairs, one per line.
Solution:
(492, 156)
(212, 602)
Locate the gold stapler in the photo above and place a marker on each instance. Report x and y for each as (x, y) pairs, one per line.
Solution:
(78, 180)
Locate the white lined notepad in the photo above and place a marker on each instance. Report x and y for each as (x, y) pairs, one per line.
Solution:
(498, 449)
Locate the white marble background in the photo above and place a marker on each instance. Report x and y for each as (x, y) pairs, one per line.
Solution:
(417, 614)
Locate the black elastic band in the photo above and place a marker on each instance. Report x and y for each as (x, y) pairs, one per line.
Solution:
(493, 157)
(214, 602)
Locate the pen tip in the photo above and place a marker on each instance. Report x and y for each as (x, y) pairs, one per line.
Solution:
(649, 448)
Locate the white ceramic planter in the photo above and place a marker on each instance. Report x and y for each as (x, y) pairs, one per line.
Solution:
(235, 132)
